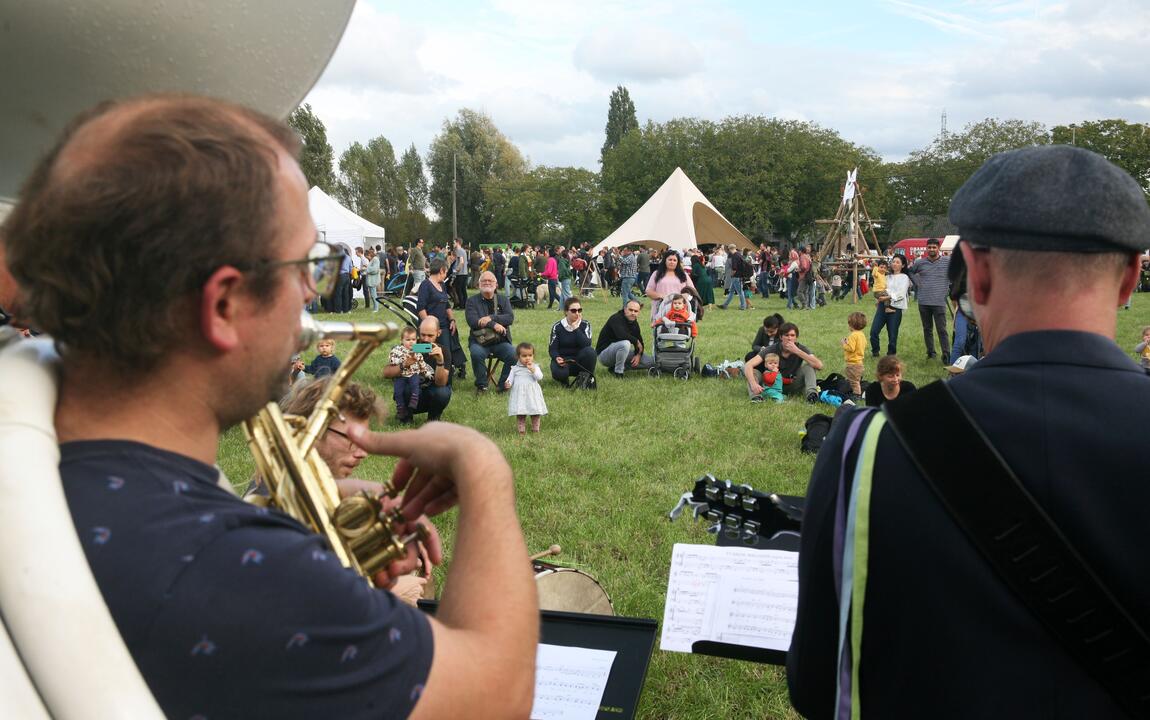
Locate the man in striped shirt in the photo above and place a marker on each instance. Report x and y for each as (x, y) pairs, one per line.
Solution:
(931, 286)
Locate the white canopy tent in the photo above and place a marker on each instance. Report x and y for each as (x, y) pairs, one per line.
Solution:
(677, 216)
(340, 225)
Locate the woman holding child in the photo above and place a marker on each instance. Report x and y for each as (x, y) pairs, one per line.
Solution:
(892, 302)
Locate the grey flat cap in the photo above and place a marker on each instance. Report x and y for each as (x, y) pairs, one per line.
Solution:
(1052, 198)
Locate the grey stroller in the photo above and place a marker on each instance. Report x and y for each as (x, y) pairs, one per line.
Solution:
(675, 348)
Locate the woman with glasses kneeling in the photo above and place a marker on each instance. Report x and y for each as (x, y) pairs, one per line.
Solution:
(570, 346)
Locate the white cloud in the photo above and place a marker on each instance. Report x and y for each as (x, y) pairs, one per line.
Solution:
(879, 72)
(379, 52)
(645, 54)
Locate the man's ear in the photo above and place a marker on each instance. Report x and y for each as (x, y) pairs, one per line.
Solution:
(977, 273)
(222, 300)
(1130, 276)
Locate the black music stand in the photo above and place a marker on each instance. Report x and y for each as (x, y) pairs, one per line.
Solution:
(632, 639)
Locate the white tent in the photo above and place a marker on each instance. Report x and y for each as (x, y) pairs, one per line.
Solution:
(341, 226)
(677, 216)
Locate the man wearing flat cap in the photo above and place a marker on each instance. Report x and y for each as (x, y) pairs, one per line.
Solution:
(901, 615)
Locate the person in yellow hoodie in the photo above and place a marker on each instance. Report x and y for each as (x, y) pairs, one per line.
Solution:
(854, 347)
(878, 274)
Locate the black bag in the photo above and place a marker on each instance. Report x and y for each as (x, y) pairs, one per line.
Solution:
(584, 381)
(486, 337)
(818, 425)
(836, 383)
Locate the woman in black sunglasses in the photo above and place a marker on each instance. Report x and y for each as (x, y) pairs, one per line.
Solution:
(570, 345)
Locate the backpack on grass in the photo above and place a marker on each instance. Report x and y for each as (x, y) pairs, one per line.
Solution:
(817, 427)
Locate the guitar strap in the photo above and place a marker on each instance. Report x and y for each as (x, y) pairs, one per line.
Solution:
(1023, 544)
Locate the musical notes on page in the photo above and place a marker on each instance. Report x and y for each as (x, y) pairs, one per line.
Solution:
(569, 682)
(741, 596)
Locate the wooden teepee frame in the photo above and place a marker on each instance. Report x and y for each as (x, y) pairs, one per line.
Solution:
(850, 227)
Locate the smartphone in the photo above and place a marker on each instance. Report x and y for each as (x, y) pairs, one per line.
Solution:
(421, 347)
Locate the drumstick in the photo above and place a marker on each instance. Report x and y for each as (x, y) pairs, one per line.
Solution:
(553, 550)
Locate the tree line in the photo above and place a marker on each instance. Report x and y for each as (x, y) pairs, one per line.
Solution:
(773, 179)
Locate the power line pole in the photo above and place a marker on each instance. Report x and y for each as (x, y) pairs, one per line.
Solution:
(942, 133)
(454, 188)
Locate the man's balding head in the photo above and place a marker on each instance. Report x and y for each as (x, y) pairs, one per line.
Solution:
(429, 326)
(137, 205)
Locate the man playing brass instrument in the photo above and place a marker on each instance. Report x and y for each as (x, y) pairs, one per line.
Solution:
(166, 245)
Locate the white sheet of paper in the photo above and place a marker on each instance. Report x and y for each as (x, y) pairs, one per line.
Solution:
(569, 682)
(734, 595)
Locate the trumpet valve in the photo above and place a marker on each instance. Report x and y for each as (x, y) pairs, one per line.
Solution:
(368, 533)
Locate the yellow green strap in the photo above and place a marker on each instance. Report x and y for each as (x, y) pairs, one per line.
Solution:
(864, 474)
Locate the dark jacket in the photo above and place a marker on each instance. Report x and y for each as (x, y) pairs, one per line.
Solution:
(617, 328)
(498, 307)
(566, 343)
(943, 636)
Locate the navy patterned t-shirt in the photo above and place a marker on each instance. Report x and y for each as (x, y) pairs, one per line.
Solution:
(230, 610)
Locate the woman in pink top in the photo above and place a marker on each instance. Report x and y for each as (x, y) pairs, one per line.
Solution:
(669, 279)
(551, 275)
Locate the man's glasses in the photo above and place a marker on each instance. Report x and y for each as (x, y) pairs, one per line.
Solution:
(321, 267)
(575, 310)
(350, 443)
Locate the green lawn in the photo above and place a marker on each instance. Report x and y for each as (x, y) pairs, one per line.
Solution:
(608, 465)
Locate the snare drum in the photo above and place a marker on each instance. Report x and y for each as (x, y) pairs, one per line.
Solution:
(570, 590)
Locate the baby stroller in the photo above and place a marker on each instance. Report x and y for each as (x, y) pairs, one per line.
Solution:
(675, 348)
(396, 284)
(522, 291)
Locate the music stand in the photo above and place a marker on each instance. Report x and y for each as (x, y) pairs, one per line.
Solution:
(632, 639)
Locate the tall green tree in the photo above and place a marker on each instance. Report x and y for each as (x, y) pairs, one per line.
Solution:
(924, 184)
(620, 119)
(317, 157)
(369, 180)
(413, 179)
(1127, 145)
(484, 157)
(557, 205)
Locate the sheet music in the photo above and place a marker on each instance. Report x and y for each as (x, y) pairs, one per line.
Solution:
(734, 595)
(569, 682)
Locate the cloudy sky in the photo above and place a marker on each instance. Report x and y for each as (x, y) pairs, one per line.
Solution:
(881, 72)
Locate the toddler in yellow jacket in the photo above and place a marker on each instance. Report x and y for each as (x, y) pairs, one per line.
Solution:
(854, 346)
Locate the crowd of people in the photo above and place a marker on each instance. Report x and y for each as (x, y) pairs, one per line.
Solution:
(679, 288)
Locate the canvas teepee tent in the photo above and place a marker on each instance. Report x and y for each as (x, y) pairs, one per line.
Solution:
(677, 216)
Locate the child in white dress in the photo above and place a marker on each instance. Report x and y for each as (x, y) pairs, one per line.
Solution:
(526, 396)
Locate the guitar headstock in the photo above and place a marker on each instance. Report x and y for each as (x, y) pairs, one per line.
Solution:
(742, 513)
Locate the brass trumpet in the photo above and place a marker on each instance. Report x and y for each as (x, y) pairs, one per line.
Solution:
(362, 535)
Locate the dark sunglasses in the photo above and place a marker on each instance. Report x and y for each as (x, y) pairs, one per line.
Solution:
(578, 310)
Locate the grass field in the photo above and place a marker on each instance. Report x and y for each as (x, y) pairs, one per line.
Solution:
(608, 466)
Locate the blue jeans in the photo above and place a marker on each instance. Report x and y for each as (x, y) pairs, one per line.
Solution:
(792, 282)
(736, 288)
(958, 348)
(625, 285)
(765, 285)
(552, 295)
(564, 290)
(618, 354)
(505, 351)
(892, 321)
